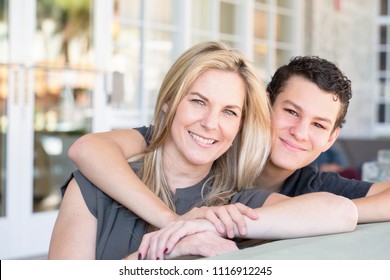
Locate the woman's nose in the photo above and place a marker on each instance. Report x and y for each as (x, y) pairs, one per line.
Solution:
(210, 119)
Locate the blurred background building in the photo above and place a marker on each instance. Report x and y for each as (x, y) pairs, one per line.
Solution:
(69, 67)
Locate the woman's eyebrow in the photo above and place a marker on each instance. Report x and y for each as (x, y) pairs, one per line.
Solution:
(230, 106)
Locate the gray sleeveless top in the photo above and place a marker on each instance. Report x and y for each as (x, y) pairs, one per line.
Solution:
(120, 231)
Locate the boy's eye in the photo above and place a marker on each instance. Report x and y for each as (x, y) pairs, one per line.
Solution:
(292, 112)
(319, 125)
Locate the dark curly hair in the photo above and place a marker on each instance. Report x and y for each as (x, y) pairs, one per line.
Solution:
(325, 74)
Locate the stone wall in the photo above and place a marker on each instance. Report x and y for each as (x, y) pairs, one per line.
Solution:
(343, 31)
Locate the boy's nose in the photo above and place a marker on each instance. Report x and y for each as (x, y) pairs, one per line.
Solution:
(300, 131)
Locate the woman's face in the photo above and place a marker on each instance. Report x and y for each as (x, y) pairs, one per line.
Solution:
(207, 119)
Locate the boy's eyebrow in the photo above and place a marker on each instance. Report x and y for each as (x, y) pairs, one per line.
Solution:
(299, 108)
(206, 99)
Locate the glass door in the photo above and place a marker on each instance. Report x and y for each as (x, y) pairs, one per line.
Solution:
(64, 86)
(3, 137)
(3, 101)
(62, 113)
(50, 94)
(17, 219)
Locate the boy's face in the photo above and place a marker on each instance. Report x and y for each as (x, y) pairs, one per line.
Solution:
(303, 120)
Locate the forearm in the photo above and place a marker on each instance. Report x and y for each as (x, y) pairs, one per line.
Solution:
(375, 207)
(102, 158)
(305, 215)
(140, 200)
(202, 244)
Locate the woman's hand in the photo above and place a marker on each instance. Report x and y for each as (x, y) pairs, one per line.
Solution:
(204, 244)
(224, 218)
(155, 245)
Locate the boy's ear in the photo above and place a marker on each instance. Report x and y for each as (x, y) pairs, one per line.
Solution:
(333, 137)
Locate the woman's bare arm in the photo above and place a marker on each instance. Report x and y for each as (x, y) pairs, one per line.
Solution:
(74, 233)
(102, 158)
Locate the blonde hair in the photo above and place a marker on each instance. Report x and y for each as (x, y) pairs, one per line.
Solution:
(237, 168)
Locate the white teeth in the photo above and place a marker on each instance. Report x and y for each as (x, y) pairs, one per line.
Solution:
(202, 140)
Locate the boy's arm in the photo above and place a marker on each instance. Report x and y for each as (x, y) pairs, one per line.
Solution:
(375, 206)
(102, 158)
(305, 215)
(309, 214)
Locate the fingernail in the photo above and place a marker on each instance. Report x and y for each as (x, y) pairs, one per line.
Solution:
(139, 256)
(165, 251)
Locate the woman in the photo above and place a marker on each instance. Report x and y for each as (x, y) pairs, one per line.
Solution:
(210, 140)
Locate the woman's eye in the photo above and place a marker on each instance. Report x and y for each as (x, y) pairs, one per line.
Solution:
(199, 101)
(230, 113)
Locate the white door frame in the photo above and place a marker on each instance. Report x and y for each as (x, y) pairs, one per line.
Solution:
(23, 233)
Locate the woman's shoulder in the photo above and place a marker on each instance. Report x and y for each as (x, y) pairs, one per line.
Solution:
(146, 132)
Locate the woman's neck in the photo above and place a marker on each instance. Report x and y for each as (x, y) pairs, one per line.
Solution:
(180, 175)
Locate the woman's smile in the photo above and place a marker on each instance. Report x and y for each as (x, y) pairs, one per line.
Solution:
(202, 140)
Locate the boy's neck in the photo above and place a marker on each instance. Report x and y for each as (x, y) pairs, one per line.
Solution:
(272, 178)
